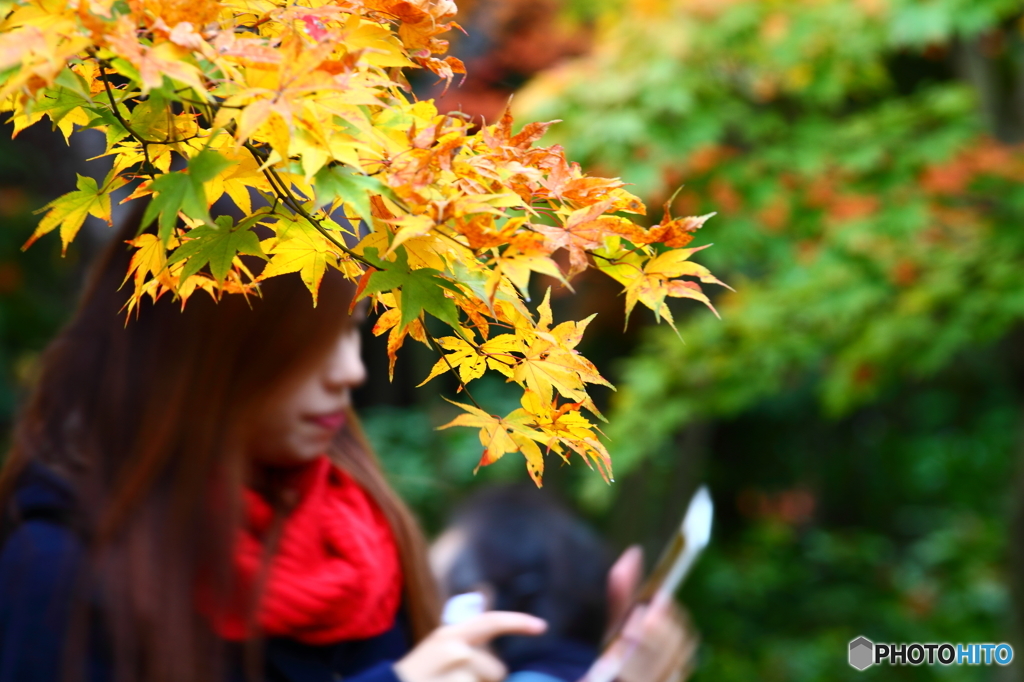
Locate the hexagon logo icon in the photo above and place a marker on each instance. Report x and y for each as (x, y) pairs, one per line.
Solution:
(862, 652)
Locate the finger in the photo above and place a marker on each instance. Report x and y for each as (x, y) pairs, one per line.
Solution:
(607, 667)
(652, 665)
(664, 646)
(486, 667)
(677, 651)
(680, 664)
(660, 609)
(673, 664)
(662, 600)
(662, 623)
(689, 664)
(623, 579)
(481, 629)
(636, 625)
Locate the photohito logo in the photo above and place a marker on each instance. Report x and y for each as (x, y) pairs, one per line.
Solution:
(864, 653)
(861, 653)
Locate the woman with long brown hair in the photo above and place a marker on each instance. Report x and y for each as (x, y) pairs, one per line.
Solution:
(188, 497)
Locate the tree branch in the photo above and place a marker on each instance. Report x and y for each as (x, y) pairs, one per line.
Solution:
(288, 199)
(124, 123)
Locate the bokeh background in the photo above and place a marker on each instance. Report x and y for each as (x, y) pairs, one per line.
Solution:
(857, 411)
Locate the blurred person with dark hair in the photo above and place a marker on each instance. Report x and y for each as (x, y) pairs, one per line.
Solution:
(526, 552)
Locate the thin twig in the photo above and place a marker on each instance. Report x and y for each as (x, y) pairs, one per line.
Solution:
(288, 199)
(120, 119)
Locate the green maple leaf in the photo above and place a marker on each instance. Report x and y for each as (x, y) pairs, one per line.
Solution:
(69, 211)
(217, 245)
(183, 191)
(57, 103)
(338, 182)
(422, 288)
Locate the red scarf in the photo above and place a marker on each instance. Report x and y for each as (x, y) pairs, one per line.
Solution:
(335, 574)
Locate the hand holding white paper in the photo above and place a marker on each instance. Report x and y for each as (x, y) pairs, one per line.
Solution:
(675, 563)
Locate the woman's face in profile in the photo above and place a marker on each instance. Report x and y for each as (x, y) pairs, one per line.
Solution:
(299, 419)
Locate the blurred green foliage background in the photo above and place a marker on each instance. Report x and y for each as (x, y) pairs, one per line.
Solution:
(857, 411)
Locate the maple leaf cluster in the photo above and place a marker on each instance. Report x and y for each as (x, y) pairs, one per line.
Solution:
(299, 113)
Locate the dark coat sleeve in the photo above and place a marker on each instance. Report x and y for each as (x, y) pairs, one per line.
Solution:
(40, 576)
(378, 673)
(40, 564)
(295, 662)
(366, 660)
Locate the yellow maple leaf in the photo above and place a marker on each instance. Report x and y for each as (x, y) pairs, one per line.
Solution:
(566, 427)
(473, 360)
(149, 259)
(650, 279)
(389, 320)
(298, 247)
(237, 178)
(502, 435)
(550, 362)
(68, 212)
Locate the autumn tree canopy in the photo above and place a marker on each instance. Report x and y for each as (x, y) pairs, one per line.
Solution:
(299, 112)
(867, 167)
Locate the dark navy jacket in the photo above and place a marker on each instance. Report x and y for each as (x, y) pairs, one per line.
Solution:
(556, 658)
(40, 562)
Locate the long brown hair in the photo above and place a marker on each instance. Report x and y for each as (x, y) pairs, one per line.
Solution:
(140, 417)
